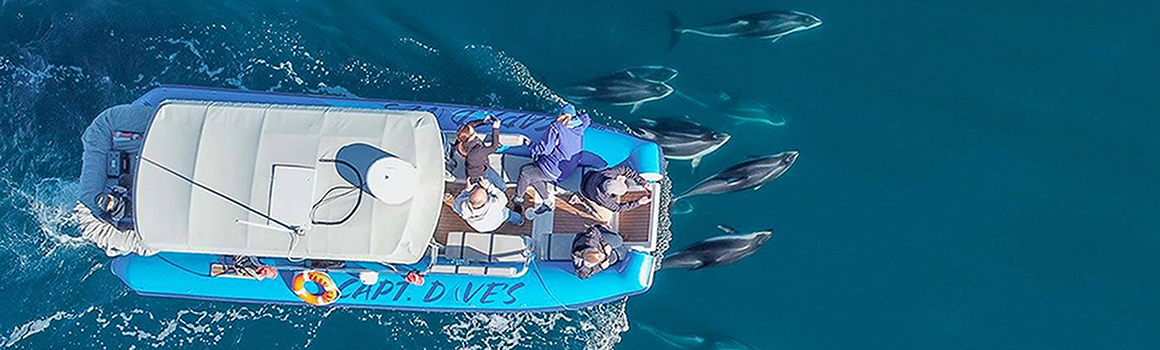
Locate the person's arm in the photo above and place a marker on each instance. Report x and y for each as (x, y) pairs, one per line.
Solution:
(475, 124)
(457, 205)
(626, 206)
(548, 142)
(494, 145)
(497, 193)
(626, 171)
(585, 121)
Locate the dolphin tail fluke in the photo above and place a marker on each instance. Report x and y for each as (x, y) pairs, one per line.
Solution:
(675, 33)
(676, 341)
(686, 209)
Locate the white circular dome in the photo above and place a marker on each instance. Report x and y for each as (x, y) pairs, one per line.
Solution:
(392, 180)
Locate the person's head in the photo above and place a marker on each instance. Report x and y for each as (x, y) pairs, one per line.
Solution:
(616, 186)
(478, 197)
(464, 134)
(110, 203)
(594, 256)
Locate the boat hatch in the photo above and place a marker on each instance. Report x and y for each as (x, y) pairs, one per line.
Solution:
(209, 170)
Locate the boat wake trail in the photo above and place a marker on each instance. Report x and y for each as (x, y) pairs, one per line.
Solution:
(49, 202)
(66, 290)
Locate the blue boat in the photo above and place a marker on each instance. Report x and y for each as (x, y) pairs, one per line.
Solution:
(214, 181)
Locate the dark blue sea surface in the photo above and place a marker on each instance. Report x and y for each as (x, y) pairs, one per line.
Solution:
(973, 174)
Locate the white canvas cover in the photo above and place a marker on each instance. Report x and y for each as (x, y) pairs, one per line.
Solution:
(235, 148)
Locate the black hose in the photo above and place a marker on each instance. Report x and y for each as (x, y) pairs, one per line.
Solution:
(349, 189)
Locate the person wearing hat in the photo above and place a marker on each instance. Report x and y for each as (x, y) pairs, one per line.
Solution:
(596, 249)
(554, 155)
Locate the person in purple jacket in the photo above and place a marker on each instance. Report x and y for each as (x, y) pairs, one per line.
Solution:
(555, 155)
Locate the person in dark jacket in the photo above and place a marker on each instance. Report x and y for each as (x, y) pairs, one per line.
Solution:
(470, 145)
(595, 250)
(605, 187)
(555, 155)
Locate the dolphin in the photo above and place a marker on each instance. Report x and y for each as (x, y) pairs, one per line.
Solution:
(695, 342)
(750, 174)
(680, 139)
(656, 74)
(618, 89)
(717, 251)
(744, 110)
(772, 25)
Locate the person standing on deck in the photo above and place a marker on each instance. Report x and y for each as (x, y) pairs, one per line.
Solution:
(555, 156)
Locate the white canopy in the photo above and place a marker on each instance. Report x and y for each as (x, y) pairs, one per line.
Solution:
(268, 157)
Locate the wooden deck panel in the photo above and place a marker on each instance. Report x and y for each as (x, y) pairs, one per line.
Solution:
(633, 224)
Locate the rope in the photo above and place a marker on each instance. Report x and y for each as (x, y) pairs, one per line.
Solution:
(292, 228)
(183, 268)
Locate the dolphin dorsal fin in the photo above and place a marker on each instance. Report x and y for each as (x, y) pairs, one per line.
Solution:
(726, 228)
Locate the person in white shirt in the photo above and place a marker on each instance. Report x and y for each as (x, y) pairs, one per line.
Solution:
(483, 205)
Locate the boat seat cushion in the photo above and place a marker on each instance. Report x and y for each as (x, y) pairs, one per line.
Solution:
(474, 270)
(486, 247)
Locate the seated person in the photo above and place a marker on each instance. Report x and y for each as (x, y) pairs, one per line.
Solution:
(554, 156)
(251, 267)
(593, 252)
(116, 207)
(469, 144)
(483, 205)
(606, 187)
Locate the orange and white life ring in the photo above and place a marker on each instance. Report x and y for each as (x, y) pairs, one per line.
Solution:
(330, 292)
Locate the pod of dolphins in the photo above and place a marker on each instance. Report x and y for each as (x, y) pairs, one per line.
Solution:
(685, 139)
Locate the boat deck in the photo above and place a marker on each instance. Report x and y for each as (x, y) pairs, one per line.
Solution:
(633, 225)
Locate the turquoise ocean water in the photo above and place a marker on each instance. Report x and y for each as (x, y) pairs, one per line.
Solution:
(974, 175)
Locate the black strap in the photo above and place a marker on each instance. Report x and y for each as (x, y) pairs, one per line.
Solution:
(550, 246)
(490, 249)
(462, 248)
(462, 245)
